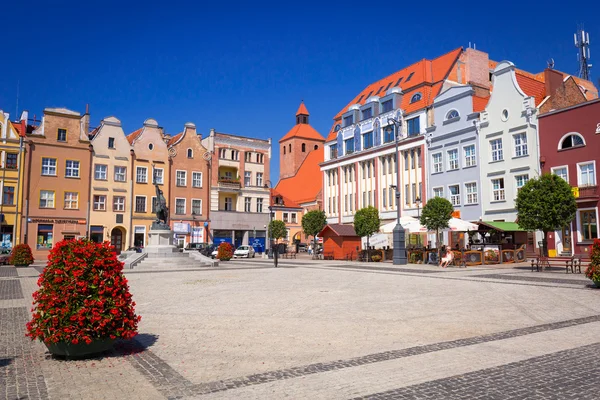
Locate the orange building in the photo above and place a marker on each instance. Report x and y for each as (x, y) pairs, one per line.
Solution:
(56, 195)
(189, 191)
(340, 241)
(290, 213)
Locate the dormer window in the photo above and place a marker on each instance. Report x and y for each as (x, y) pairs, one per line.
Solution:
(368, 113)
(348, 120)
(337, 127)
(387, 106)
(416, 97)
(572, 140)
(410, 76)
(452, 114)
(111, 142)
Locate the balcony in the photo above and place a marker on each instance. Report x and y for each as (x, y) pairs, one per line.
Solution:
(229, 184)
(588, 192)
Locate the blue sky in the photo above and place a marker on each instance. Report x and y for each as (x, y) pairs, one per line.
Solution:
(244, 67)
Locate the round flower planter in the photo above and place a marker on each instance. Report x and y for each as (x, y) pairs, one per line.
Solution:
(81, 349)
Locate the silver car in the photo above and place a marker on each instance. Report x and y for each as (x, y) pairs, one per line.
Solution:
(244, 251)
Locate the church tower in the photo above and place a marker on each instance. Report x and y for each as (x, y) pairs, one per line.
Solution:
(295, 146)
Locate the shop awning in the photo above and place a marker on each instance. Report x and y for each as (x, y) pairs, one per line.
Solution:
(502, 226)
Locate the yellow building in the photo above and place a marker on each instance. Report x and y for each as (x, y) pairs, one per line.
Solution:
(11, 178)
(150, 160)
(110, 199)
(284, 209)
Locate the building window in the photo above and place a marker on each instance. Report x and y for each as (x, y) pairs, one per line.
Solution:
(72, 169)
(247, 204)
(368, 140)
(333, 151)
(383, 170)
(438, 192)
(391, 194)
(141, 175)
(44, 237)
(452, 159)
(470, 159)
(284, 150)
(416, 97)
(151, 146)
(49, 166)
(259, 205)
(562, 172)
(471, 189)
(99, 202)
(118, 203)
(367, 113)
(247, 178)
(248, 156)
(349, 145)
(364, 202)
(235, 155)
(414, 126)
(8, 195)
(587, 176)
(111, 143)
(452, 114)
(498, 189)
(100, 172)
(521, 180)
(260, 158)
(158, 177)
(414, 193)
(574, 140)
(140, 204)
(154, 205)
(71, 200)
(190, 153)
(259, 179)
(387, 106)
(437, 162)
(120, 174)
(454, 194)
(496, 146)
(197, 206)
(520, 144)
(406, 160)
(11, 160)
(384, 197)
(346, 203)
(197, 179)
(181, 178)
(388, 134)
(180, 206)
(406, 194)
(348, 120)
(61, 135)
(589, 224)
(228, 204)
(47, 199)
(222, 153)
(304, 147)
(285, 217)
(392, 167)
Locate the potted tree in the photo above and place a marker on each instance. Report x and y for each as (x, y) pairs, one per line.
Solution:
(225, 251)
(21, 256)
(593, 270)
(366, 223)
(83, 304)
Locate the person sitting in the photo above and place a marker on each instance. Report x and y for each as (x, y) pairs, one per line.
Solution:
(447, 259)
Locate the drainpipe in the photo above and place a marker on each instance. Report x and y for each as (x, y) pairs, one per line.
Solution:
(132, 200)
(19, 163)
(31, 147)
(87, 220)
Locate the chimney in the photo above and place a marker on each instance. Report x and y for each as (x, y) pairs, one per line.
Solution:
(553, 80)
(477, 68)
(24, 116)
(86, 121)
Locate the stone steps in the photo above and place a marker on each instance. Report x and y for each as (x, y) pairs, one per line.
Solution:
(171, 261)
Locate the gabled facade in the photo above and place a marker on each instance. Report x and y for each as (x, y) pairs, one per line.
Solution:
(239, 194)
(290, 213)
(58, 172)
(189, 192)
(149, 164)
(111, 188)
(11, 178)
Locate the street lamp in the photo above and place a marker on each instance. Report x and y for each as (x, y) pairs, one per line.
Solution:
(418, 203)
(399, 234)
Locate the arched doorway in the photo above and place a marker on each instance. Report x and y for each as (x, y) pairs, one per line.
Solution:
(116, 239)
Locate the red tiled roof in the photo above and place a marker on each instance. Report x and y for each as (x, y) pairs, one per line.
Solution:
(174, 139)
(479, 103)
(531, 87)
(17, 128)
(303, 131)
(134, 135)
(302, 110)
(339, 229)
(425, 77)
(308, 181)
(287, 203)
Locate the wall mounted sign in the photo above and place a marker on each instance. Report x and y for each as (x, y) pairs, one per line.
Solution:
(56, 221)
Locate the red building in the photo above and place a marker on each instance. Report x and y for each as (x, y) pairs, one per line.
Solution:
(570, 148)
(340, 241)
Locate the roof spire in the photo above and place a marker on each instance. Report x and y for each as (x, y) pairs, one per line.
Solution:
(302, 114)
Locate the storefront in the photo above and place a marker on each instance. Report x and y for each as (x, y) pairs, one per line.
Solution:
(43, 233)
(139, 236)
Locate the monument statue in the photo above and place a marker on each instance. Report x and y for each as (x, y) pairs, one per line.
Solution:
(162, 211)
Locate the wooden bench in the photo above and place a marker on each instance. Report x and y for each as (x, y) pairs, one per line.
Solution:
(577, 262)
(546, 262)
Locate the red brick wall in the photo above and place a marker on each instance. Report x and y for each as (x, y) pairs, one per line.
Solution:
(290, 162)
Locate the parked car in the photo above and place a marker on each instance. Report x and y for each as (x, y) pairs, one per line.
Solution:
(244, 251)
(194, 247)
(208, 250)
(302, 247)
(4, 258)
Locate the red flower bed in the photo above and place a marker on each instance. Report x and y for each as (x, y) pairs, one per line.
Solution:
(21, 255)
(593, 270)
(83, 295)
(225, 251)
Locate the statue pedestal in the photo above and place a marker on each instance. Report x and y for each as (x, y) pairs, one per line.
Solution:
(160, 242)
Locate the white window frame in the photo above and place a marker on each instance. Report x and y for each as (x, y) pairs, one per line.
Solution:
(433, 190)
(192, 204)
(473, 158)
(500, 190)
(517, 187)
(450, 160)
(440, 164)
(145, 203)
(247, 178)
(194, 174)
(72, 168)
(455, 199)
(118, 209)
(259, 179)
(247, 204)
(566, 167)
(579, 227)
(260, 205)
(499, 151)
(562, 139)
(474, 195)
(523, 146)
(53, 199)
(138, 169)
(71, 200)
(184, 205)
(160, 181)
(178, 179)
(98, 172)
(124, 173)
(579, 183)
(100, 203)
(49, 167)
(230, 204)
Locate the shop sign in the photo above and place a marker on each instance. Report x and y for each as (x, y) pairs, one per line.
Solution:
(181, 227)
(56, 221)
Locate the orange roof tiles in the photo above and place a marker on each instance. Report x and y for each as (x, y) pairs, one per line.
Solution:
(134, 135)
(479, 103)
(302, 131)
(174, 139)
(308, 181)
(531, 87)
(302, 110)
(287, 203)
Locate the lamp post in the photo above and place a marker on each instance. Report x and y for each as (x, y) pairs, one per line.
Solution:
(418, 203)
(399, 233)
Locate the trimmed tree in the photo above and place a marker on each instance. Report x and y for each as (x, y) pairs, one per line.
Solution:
(436, 214)
(366, 223)
(313, 222)
(277, 230)
(545, 204)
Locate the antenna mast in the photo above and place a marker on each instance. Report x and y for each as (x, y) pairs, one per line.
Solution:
(582, 42)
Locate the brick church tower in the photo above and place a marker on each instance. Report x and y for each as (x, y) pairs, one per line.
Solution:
(295, 146)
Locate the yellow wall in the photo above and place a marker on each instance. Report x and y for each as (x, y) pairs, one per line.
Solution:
(13, 177)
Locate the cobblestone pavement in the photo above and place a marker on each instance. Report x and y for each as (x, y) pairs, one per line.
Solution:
(312, 330)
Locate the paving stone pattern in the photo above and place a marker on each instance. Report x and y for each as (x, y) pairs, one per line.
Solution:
(10, 289)
(567, 374)
(8, 272)
(20, 372)
(560, 281)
